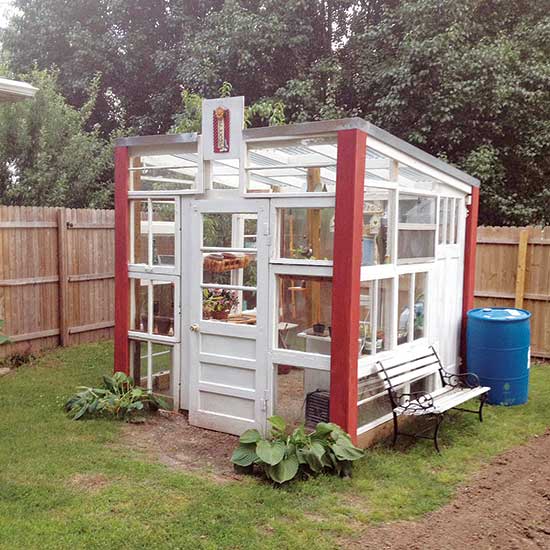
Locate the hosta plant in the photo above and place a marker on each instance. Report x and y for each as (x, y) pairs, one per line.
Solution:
(118, 398)
(283, 456)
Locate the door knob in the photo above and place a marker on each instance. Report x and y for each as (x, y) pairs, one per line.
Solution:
(194, 328)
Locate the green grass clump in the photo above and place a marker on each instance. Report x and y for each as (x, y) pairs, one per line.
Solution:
(136, 503)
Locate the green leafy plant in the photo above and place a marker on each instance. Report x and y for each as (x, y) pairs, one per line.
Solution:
(3, 338)
(283, 456)
(118, 397)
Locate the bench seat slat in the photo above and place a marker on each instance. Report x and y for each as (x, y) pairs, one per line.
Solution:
(444, 401)
(412, 365)
(412, 375)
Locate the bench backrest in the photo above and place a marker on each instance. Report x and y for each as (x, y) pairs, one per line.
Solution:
(421, 364)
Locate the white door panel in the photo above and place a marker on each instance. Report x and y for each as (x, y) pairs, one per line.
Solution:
(228, 363)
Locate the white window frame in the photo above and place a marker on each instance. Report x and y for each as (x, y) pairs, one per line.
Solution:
(150, 267)
(245, 168)
(150, 336)
(168, 150)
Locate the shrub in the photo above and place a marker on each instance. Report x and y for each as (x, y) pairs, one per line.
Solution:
(283, 456)
(118, 397)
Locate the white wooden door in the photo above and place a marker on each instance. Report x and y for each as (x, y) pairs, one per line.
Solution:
(228, 358)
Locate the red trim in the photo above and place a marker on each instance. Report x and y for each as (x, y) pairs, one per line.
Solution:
(469, 268)
(348, 230)
(122, 283)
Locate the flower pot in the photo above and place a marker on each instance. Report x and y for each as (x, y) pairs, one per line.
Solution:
(284, 369)
(220, 315)
(163, 325)
(319, 329)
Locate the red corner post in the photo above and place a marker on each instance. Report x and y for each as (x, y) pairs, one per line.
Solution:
(122, 284)
(346, 286)
(469, 269)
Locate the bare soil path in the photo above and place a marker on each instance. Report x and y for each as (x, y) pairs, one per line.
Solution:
(506, 506)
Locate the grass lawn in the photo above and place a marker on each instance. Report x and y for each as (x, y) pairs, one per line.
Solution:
(141, 504)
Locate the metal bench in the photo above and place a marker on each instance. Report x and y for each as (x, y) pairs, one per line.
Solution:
(456, 389)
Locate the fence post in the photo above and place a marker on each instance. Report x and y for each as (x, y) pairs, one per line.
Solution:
(63, 278)
(521, 267)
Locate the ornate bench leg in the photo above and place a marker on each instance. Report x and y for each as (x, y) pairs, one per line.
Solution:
(482, 400)
(394, 440)
(439, 420)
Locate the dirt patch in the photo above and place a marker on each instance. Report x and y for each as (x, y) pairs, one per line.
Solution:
(89, 482)
(506, 506)
(172, 441)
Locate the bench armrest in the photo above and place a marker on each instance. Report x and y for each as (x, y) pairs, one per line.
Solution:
(463, 380)
(418, 400)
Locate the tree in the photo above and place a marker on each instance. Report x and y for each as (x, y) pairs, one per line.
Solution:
(443, 75)
(47, 158)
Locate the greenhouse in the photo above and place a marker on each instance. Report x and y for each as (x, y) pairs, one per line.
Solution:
(266, 270)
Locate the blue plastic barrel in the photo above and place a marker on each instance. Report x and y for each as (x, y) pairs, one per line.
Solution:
(498, 341)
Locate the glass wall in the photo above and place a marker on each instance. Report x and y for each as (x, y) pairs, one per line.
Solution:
(292, 166)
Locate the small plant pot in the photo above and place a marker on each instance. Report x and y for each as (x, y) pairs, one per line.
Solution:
(164, 324)
(319, 329)
(244, 470)
(220, 315)
(284, 369)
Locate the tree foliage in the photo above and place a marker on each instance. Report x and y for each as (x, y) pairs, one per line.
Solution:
(467, 81)
(47, 158)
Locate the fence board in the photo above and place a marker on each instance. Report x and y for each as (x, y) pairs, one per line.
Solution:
(501, 258)
(32, 241)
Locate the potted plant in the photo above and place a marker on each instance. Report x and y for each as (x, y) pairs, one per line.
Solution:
(302, 253)
(218, 302)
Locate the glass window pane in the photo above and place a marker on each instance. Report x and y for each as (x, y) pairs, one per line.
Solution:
(140, 231)
(419, 304)
(416, 244)
(377, 226)
(403, 308)
(292, 166)
(301, 395)
(416, 209)
(305, 309)
(373, 410)
(229, 230)
(140, 321)
(378, 167)
(412, 178)
(458, 203)
(442, 226)
(229, 306)
(225, 174)
(176, 171)
(159, 358)
(228, 268)
(163, 308)
(306, 233)
(139, 363)
(162, 369)
(375, 316)
(450, 219)
(164, 232)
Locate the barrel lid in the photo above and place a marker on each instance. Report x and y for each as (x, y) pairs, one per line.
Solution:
(499, 314)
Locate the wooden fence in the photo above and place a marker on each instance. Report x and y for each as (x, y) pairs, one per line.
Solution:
(513, 269)
(57, 279)
(56, 276)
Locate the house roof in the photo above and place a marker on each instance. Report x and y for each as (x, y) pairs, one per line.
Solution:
(13, 90)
